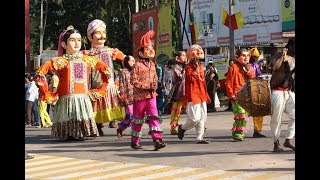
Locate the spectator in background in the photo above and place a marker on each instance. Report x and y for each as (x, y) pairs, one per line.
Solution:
(231, 61)
(32, 95)
(160, 90)
(53, 87)
(43, 101)
(212, 82)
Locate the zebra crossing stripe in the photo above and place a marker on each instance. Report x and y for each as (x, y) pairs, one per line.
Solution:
(244, 176)
(163, 174)
(122, 174)
(55, 167)
(147, 172)
(73, 169)
(44, 161)
(95, 170)
(198, 175)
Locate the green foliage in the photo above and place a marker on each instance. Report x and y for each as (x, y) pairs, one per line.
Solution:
(116, 14)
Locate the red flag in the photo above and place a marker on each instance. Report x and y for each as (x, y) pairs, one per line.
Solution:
(237, 21)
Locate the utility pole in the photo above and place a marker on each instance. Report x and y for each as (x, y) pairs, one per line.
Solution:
(137, 6)
(231, 32)
(41, 29)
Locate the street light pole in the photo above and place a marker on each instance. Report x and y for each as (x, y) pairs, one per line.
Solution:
(231, 32)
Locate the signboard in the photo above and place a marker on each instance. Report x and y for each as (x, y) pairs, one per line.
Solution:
(142, 22)
(260, 22)
(288, 15)
(164, 38)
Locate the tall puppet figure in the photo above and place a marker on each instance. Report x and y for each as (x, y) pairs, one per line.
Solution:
(196, 95)
(145, 81)
(176, 94)
(106, 107)
(73, 116)
(239, 72)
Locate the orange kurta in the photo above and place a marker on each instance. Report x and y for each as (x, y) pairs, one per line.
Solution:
(74, 74)
(195, 85)
(236, 78)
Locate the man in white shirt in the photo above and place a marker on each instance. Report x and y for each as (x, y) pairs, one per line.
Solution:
(32, 95)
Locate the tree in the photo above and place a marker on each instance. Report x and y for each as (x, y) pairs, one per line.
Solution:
(116, 15)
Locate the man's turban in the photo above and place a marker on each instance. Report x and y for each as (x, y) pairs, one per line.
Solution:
(95, 24)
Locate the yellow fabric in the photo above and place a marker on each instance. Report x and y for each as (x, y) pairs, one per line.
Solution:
(174, 115)
(44, 116)
(224, 15)
(257, 122)
(255, 52)
(107, 115)
(239, 20)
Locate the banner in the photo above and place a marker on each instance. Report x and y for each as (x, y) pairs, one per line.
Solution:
(205, 23)
(164, 38)
(262, 22)
(254, 22)
(288, 15)
(142, 22)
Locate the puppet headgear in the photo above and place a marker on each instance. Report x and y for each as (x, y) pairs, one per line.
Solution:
(145, 40)
(255, 52)
(95, 24)
(60, 48)
(189, 51)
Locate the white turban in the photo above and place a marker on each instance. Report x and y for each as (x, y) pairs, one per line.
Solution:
(95, 24)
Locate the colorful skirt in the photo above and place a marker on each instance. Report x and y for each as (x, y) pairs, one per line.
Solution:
(73, 116)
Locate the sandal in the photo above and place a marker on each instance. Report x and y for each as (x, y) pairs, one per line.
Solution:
(136, 146)
(119, 134)
(288, 144)
(276, 147)
(158, 145)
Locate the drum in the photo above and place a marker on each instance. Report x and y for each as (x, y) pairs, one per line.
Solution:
(254, 97)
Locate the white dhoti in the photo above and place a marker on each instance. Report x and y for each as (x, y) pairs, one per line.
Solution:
(196, 117)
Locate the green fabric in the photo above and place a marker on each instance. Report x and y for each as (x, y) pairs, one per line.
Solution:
(73, 107)
(135, 133)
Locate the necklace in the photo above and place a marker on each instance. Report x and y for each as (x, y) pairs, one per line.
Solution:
(198, 71)
(73, 57)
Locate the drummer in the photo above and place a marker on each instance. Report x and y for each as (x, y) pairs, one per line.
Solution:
(257, 121)
(237, 75)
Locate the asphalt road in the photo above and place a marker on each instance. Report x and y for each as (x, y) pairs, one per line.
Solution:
(251, 155)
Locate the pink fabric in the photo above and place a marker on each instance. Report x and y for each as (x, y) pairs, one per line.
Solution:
(174, 124)
(241, 116)
(60, 48)
(145, 40)
(129, 110)
(243, 129)
(140, 109)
